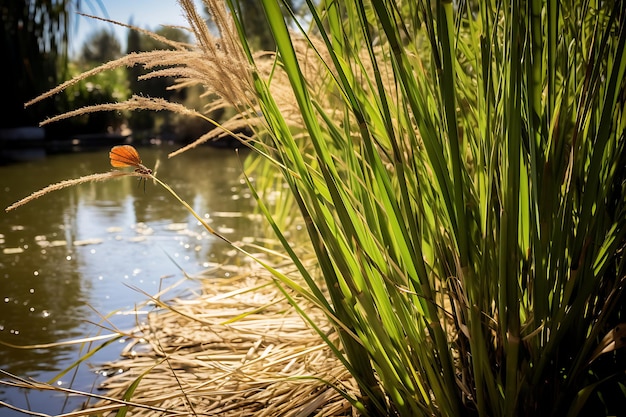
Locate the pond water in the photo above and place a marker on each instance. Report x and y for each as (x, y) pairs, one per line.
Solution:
(74, 256)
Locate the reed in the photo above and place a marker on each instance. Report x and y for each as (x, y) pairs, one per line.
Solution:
(461, 178)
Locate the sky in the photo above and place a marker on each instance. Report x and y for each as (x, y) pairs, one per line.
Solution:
(144, 13)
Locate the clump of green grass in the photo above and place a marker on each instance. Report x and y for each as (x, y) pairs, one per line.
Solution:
(463, 188)
(460, 171)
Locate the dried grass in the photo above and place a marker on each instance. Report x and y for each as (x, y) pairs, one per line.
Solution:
(235, 349)
(238, 348)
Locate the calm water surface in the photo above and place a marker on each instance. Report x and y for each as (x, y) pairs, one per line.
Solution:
(76, 255)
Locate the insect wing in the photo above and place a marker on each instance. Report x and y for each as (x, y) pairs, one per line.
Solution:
(124, 156)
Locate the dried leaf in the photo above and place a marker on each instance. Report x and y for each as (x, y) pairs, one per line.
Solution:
(615, 339)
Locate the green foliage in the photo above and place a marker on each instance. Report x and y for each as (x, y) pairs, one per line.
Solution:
(104, 87)
(462, 184)
(100, 47)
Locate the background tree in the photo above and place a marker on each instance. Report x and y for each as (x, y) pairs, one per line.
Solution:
(147, 123)
(101, 46)
(33, 46)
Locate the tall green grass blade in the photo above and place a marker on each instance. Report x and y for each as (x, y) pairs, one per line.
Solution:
(128, 394)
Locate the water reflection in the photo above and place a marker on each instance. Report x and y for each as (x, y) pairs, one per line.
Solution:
(76, 253)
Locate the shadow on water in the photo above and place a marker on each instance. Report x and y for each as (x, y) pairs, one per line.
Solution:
(75, 255)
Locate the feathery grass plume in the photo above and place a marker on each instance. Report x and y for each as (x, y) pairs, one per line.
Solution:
(216, 63)
(69, 183)
(133, 103)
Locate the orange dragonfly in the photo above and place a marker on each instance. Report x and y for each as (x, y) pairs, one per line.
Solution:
(123, 156)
